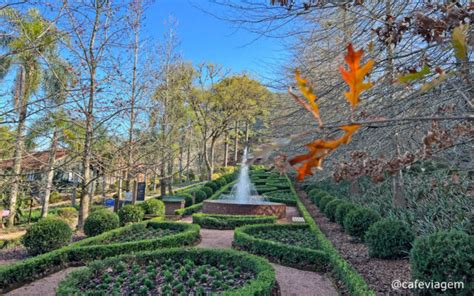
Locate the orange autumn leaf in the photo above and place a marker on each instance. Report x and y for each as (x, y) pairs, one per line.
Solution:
(319, 149)
(354, 77)
(307, 91)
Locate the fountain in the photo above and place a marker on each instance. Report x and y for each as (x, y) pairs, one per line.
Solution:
(244, 199)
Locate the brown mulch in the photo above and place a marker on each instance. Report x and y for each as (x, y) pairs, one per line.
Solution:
(378, 273)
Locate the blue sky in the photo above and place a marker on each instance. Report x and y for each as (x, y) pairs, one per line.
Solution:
(206, 38)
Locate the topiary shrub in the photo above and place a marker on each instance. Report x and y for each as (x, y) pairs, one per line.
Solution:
(67, 213)
(100, 221)
(357, 221)
(221, 181)
(130, 214)
(315, 195)
(153, 207)
(188, 199)
(208, 190)
(389, 238)
(330, 209)
(444, 256)
(47, 235)
(213, 185)
(324, 201)
(199, 195)
(341, 211)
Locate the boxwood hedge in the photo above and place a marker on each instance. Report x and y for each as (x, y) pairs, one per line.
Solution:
(262, 284)
(214, 221)
(290, 255)
(91, 249)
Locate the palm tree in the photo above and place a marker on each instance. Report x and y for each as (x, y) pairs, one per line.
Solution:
(30, 38)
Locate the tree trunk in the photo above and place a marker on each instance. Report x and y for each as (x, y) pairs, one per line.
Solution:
(19, 145)
(211, 157)
(134, 191)
(206, 160)
(226, 149)
(119, 196)
(162, 178)
(170, 176)
(247, 133)
(50, 174)
(180, 163)
(188, 160)
(236, 143)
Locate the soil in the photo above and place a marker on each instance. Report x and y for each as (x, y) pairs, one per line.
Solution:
(378, 273)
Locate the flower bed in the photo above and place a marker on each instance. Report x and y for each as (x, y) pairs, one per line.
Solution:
(215, 221)
(285, 244)
(93, 248)
(174, 272)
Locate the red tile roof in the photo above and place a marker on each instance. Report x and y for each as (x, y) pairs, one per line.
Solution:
(33, 160)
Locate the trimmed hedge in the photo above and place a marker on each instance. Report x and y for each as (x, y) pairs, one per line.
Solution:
(358, 221)
(285, 197)
(261, 189)
(199, 195)
(389, 238)
(444, 256)
(100, 221)
(213, 185)
(213, 221)
(90, 249)
(262, 284)
(352, 280)
(207, 190)
(130, 214)
(330, 209)
(342, 210)
(198, 206)
(188, 199)
(324, 201)
(153, 207)
(305, 258)
(46, 235)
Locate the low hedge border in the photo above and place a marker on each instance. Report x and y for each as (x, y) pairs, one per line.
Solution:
(197, 207)
(303, 258)
(352, 280)
(213, 221)
(78, 253)
(263, 283)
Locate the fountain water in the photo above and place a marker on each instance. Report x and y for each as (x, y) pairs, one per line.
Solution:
(243, 199)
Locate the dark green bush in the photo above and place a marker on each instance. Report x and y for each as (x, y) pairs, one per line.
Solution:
(188, 198)
(444, 256)
(341, 211)
(199, 195)
(213, 185)
(261, 189)
(358, 221)
(47, 235)
(389, 238)
(330, 209)
(324, 201)
(130, 214)
(212, 221)
(315, 195)
(207, 190)
(221, 181)
(100, 221)
(153, 207)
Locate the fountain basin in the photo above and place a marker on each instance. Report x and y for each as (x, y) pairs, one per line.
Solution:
(251, 207)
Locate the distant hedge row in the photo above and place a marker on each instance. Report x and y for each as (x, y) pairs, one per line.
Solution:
(215, 221)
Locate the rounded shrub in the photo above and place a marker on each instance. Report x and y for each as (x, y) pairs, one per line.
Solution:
(213, 185)
(330, 209)
(100, 221)
(444, 256)
(315, 195)
(358, 220)
(389, 238)
(207, 190)
(199, 195)
(311, 187)
(130, 214)
(153, 207)
(324, 201)
(188, 199)
(341, 211)
(221, 181)
(47, 235)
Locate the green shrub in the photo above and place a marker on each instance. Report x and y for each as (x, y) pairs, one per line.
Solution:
(286, 254)
(47, 235)
(330, 209)
(315, 195)
(389, 238)
(94, 208)
(199, 195)
(130, 214)
(221, 181)
(444, 256)
(67, 213)
(341, 211)
(212, 221)
(188, 199)
(261, 189)
(153, 207)
(358, 221)
(213, 185)
(55, 197)
(99, 222)
(324, 201)
(208, 190)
